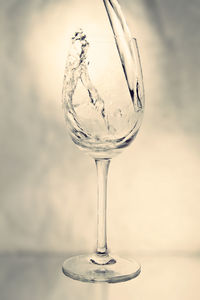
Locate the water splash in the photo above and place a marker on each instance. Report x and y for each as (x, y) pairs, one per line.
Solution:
(126, 51)
(96, 125)
(77, 70)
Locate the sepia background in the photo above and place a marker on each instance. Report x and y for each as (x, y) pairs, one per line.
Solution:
(48, 186)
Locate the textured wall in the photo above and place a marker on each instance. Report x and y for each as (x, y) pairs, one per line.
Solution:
(47, 186)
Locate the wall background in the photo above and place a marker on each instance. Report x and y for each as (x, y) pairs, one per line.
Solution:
(47, 186)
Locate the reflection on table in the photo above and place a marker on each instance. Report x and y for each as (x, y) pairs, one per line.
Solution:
(35, 277)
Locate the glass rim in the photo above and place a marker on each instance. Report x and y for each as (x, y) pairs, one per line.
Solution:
(104, 38)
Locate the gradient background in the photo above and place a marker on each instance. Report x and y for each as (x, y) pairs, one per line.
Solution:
(48, 186)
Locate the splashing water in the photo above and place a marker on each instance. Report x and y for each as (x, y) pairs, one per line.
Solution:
(77, 69)
(94, 125)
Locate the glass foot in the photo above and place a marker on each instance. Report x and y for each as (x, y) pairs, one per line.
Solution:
(95, 268)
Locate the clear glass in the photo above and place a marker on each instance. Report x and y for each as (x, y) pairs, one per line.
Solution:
(103, 102)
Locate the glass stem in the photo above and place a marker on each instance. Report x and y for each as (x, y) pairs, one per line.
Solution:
(102, 166)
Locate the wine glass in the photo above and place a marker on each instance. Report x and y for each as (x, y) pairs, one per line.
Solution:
(103, 102)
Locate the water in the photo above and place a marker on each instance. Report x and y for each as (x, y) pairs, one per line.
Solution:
(96, 123)
(77, 70)
(126, 50)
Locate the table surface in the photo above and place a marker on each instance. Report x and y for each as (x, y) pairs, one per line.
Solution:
(39, 276)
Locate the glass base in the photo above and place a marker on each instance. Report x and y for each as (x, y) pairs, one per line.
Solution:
(95, 268)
